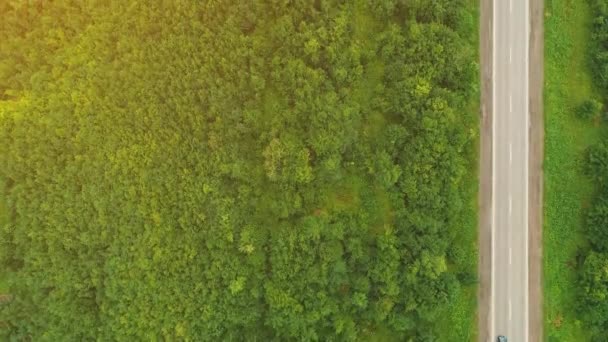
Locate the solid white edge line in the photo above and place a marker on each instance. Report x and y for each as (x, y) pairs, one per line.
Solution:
(492, 230)
(527, 81)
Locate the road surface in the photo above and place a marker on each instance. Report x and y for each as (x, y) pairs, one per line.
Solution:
(510, 147)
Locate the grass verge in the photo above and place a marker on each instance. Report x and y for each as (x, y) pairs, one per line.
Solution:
(567, 191)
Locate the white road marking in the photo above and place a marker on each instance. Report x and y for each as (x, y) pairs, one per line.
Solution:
(510, 55)
(527, 111)
(510, 311)
(510, 153)
(510, 256)
(493, 230)
(510, 6)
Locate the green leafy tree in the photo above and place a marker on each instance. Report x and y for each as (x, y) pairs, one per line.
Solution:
(207, 171)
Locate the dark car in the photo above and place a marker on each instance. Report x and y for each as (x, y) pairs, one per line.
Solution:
(502, 338)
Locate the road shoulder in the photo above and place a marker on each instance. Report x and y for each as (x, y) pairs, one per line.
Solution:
(535, 217)
(485, 171)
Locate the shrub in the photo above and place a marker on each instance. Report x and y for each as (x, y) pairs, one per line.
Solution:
(589, 109)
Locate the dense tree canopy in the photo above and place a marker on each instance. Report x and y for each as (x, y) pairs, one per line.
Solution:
(208, 171)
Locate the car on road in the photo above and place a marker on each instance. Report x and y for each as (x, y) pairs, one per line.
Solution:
(501, 339)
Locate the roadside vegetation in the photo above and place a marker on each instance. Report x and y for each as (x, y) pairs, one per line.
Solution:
(569, 131)
(576, 248)
(593, 258)
(278, 170)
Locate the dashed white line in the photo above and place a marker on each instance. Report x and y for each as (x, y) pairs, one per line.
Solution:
(510, 55)
(510, 153)
(510, 103)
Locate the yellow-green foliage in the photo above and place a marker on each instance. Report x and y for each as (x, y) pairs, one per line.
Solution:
(233, 170)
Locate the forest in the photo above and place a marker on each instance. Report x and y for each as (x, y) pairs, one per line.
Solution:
(238, 170)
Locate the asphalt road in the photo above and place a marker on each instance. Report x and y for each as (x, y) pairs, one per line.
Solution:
(510, 131)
